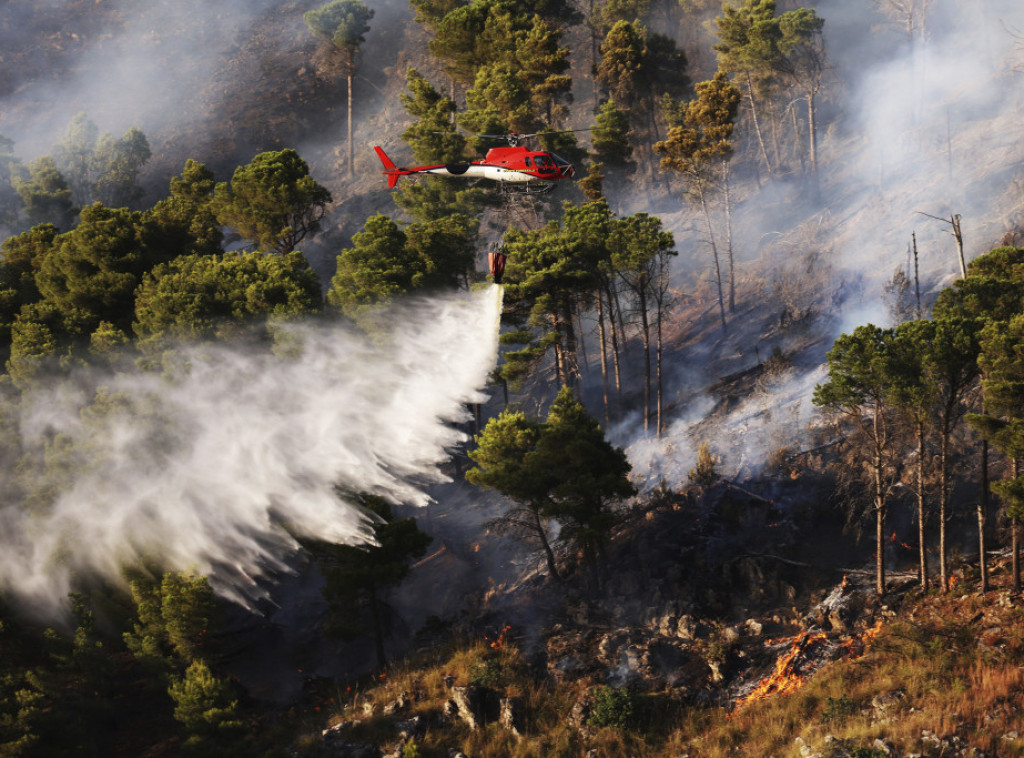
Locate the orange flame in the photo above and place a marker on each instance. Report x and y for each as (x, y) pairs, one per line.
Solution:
(499, 642)
(785, 679)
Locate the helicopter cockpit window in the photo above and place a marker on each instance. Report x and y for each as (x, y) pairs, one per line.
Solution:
(529, 162)
(543, 160)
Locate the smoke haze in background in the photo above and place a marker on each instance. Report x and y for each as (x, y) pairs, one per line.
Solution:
(145, 71)
(929, 128)
(200, 471)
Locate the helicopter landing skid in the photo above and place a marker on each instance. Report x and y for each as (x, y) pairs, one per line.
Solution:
(513, 189)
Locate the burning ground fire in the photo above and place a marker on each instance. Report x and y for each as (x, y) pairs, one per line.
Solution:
(806, 653)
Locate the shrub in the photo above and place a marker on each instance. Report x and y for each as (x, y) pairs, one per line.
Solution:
(704, 473)
(613, 707)
(837, 709)
(486, 673)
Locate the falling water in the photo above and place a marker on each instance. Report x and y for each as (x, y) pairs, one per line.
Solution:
(219, 466)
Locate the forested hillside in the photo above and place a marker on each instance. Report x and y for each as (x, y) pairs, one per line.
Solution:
(280, 450)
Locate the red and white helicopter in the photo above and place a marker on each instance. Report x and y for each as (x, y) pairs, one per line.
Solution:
(516, 168)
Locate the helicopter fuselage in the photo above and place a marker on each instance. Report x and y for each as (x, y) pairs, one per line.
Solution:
(506, 165)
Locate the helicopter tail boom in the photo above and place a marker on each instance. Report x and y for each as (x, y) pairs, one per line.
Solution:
(390, 169)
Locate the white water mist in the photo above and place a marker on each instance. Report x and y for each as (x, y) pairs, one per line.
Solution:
(214, 468)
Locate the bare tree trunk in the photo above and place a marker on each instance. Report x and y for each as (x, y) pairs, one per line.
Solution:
(549, 554)
(604, 357)
(728, 237)
(1015, 549)
(982, 513)
(659, 381)
(615, 350)
(1015, 536)
(797, 138)
(757, 125)
(773, 122)
(923, 550)
(959, 236)
(351, 154)
(943, 506)
(581, 350)
(646, 336)
(559, 356)
(714, 250)
(812, 139)
(879, 512)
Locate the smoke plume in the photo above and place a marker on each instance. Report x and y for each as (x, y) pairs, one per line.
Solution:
(215, 466)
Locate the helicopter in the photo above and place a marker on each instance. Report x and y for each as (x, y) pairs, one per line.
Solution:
(516, 168)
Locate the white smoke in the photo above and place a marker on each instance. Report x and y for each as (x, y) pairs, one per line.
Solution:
(905, 130)
(215, 467)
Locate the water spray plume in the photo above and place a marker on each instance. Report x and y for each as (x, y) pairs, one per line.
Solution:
(218, 467)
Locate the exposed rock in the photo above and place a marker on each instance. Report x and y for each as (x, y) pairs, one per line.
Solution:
(716, 670)
(413, 727)
(689, 628)
(840, 609)
(565, 655)
(806, 751)
(883, 747)
(338, 746)
(731, 635)
(476, 705)
(397, 705)
(449, 711)
(580, 712)
(885, 702)
(510, 715)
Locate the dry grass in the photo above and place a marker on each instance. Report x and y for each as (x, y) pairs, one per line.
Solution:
(955, 664)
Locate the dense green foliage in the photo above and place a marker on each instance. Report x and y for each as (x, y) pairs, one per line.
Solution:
(273, 201)
(562, 468)
(386, 261)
